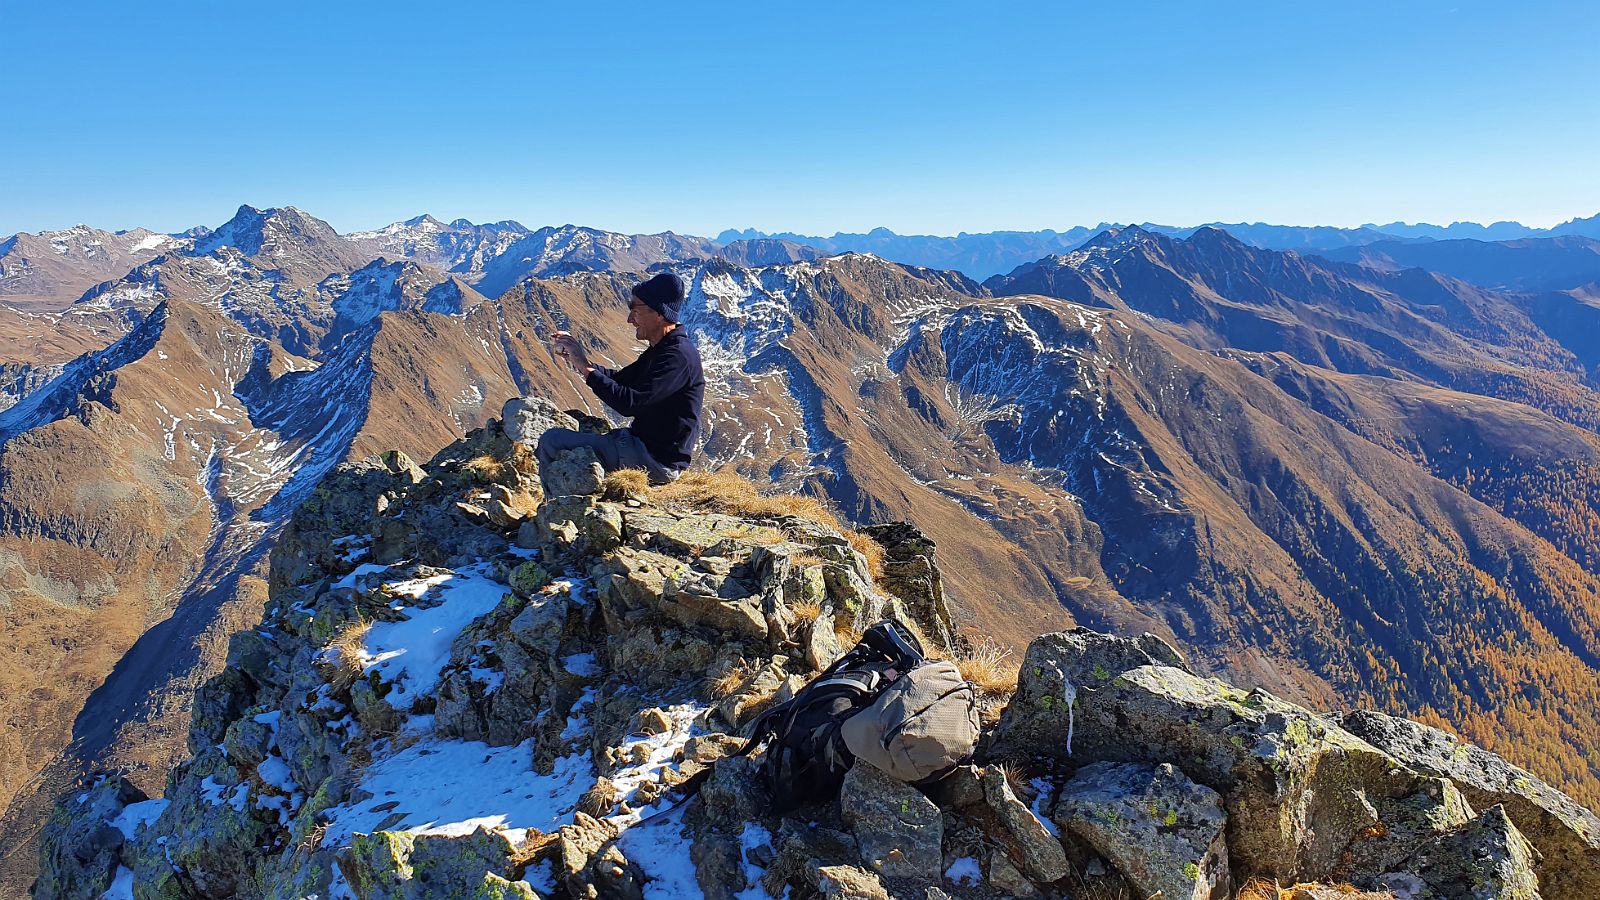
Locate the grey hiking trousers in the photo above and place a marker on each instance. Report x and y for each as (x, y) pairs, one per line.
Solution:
(616, 449)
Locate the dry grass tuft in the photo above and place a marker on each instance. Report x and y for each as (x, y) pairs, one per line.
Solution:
(806, 612)
(532, 847)
(349, 645)
(869, 549)
(491, 469)
(1019, 778)
(989, 667)
(599, 799)
(846, 632)
(725, 684)
(726, 491)
(1262, 889)
(523, 459)
(623, 484)
(313, 837)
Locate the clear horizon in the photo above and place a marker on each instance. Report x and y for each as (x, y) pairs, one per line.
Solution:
(922, 119)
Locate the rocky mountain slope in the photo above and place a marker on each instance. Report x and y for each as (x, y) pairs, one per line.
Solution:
(476, 679)
(1341, 485)
(141, 487)
(52, 268)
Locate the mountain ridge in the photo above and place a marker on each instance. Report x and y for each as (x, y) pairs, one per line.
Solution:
(1326, 480)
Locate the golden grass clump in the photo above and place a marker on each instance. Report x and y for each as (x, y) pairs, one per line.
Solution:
(989, 667)
(806, 612)
(1262, 889)
(625, 483)
(349, 645)
(600, 799)
(725, 684)
(488, 468)
(313, 837)
(726, 491)
(846, 632)
(1017, 776)
(870, 549)
(532, 847)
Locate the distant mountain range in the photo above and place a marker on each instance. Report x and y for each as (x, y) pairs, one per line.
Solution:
(48, 270)
(1350, 481)
(997, 252)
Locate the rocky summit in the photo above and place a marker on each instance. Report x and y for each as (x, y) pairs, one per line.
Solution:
(474, 679)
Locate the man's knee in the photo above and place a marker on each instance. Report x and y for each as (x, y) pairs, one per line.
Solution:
(553, 441)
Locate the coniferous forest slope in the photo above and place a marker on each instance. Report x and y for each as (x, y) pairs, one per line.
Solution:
(1346, 485)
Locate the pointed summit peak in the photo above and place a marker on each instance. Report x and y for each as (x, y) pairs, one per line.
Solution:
(425, 221)
(1207, 236)
(1118, 236)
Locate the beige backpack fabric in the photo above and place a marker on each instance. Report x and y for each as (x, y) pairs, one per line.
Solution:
(922, 725)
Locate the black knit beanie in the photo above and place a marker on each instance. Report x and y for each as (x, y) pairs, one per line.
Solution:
(663, 293)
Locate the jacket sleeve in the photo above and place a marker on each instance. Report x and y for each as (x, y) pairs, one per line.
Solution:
(668, 373)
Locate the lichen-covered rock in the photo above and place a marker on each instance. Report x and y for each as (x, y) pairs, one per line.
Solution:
(1566, 835)
(525, 419)
(79, 848)
(1299, 790)
(821, 642)
(1165, 833)
(701, 598)
(1006, 878)
(900, 831)
(1487, 859)
(685, 535)
(612, 876)
(573, 473)
(344, 504)
(528, 579)
(1437, 809)
(578, 525)
(389, 864)
(576, 846)
(211, 834)
(1059, 671)
(1038, 850)
(733, 791)
(911, 573)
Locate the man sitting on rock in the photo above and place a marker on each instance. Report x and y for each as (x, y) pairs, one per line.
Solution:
(662, 390)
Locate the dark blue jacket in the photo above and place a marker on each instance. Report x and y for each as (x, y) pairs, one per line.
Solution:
(662, 390)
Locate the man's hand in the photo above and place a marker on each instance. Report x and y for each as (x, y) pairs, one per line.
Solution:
(567, 347)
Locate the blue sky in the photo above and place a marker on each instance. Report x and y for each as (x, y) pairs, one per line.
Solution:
(925, 117)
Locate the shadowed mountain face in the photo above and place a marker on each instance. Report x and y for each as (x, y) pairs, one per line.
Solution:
(1346, 485)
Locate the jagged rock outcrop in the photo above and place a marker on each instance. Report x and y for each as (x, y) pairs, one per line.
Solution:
(448, 698)
(1567, 835)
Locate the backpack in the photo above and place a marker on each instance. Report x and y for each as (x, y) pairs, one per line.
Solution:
(920, 727)
(806, 758)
